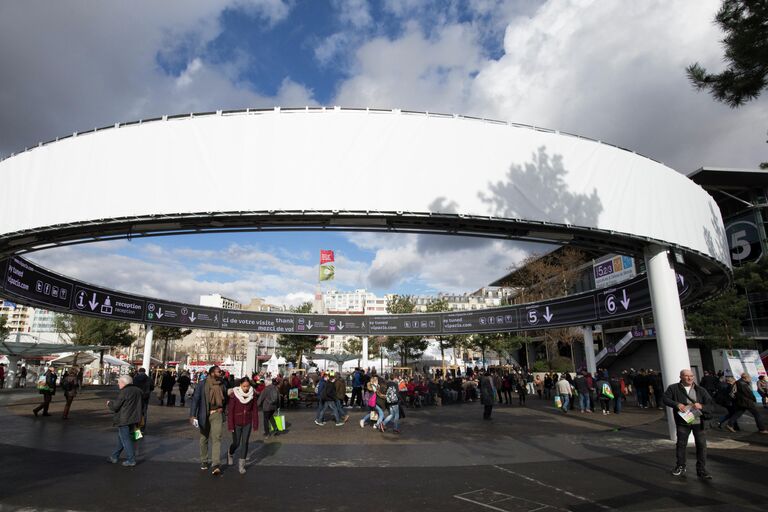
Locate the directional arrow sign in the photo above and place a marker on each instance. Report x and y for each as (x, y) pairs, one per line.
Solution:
(548, 316)
(183, 315)
(625, 301)
(93, 302)
(192, 317)
(567, 311)
(341, 326)
(159, 313)
(309, 325)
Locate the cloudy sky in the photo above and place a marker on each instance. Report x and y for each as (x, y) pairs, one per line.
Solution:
(613, 71)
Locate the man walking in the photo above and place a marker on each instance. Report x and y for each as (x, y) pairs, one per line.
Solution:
(127, 414)
(744, 400)
(142, 382)
(267, 402)
(564, 391)
(69, 386)
(688, 402)
(46, 386)
(206, 412)
(487, 395)
(183, 382)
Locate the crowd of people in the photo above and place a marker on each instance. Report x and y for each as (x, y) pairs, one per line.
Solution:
(218, 400)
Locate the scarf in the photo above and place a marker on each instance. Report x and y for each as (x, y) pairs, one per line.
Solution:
(214, 393)
(244, 398)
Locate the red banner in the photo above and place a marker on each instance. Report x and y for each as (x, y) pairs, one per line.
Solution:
(326, 257)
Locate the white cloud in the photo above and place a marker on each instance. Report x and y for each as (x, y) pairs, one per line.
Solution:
(613, 71)
(92, 64)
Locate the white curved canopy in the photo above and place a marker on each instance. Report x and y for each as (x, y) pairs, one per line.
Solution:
(355, 160)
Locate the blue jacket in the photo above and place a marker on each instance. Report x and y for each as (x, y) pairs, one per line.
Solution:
(357, 380)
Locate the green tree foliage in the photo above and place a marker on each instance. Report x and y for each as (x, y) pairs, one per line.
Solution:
(293, 346)
(509, 345)
(745, 23)
(354, 346)
(718, 321)
(484, 342)
(4, 330)
(407, 347)
(84, 330)
(167, 334)
(445, 342)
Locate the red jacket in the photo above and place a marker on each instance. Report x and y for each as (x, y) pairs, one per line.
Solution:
(239, 414)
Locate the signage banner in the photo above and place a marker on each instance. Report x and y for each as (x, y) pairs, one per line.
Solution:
(613, 270)
(744, 238)
(327, 265)
(26, 283)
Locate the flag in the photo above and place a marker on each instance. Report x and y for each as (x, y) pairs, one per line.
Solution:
(327, 265)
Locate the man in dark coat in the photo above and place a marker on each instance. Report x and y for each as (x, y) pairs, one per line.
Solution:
(184, 382)
(206, 412)
(127, 414)
(689, 403)
(268, 402)
(47, 389)
(144, 384)
(486, 395)
(166, 387)
(745, 401)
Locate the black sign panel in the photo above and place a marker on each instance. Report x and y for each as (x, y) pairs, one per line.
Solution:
(404, 325)
(26, 280)
(105, 303)
(569, 311)
(631, 298)
(237, 320)
(330, 324)
(182, 315)
(489, 320)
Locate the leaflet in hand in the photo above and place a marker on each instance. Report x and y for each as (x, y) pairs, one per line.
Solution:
(690, 415)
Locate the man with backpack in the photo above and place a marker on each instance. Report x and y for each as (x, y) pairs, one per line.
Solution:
(46, 386)
(327, 398)
(393, 404)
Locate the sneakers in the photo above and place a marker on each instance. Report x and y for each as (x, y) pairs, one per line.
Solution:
(729, 428)
(216, 471)
(319, 423)
(128, 464)
(362, 423)
(703, 475)
(230, 459)
(340, 424)
(241, 466)
(763, 431)
(111, 460)
(204, 466)
(678, 471)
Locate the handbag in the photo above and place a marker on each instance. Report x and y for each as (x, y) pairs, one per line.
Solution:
(279, 421)
(374, 416)
(558, 401)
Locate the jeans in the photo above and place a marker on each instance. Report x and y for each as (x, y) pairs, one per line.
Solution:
(617, 403)
(683, 431)
(583, 402)
(357, 397)
(327, 404)
(566, 400)
(394, 416)
(215, 422)
(124, 442)
(642, 397)
(340, 408)
(753, 412)
(379, 412)
(240, 437)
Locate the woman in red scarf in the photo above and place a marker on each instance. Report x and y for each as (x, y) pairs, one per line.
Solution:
(242, 417)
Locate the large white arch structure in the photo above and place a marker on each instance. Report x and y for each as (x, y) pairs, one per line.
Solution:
(319, 168)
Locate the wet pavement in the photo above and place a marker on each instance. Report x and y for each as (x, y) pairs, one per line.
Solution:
(447, 458)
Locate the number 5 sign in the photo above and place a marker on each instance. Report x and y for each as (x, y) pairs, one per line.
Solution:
(744, 242)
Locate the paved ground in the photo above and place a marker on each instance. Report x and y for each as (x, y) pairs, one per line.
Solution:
(526, 459)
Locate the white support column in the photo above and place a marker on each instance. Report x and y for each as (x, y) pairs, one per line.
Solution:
(10, 374)
(365, 352)
(668, 320)
(250, 358)
(589, 349)
(148, 351)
